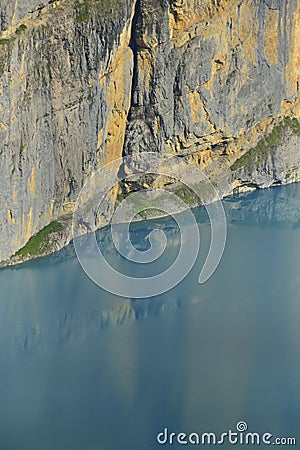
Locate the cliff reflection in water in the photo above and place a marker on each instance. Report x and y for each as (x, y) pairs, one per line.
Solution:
(51, 302)
(273, 206)
(82, 369)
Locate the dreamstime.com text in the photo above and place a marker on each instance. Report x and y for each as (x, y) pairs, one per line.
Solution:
(238, 436)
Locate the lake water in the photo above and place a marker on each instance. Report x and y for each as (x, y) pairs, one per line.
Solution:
(81, 369)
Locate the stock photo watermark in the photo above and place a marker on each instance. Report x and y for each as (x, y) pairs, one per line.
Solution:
(90, 204)
(239, 436)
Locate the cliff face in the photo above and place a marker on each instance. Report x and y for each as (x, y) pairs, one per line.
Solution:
(208, 71)
(84, 82)
(65, 95)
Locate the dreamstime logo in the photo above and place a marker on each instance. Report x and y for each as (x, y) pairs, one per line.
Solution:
(242, 426)
(240, 436)
(93, 202)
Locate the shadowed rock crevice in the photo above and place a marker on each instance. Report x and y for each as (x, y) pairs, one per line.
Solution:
(135, 48)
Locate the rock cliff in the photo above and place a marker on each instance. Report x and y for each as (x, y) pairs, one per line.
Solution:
(83, 82)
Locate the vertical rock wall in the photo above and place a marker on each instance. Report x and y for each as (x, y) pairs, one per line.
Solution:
(83, 82)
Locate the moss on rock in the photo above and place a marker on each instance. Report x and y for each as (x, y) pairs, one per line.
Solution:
(266, 145)
(39, 244)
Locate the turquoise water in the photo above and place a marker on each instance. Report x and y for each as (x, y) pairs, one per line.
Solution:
(81, 369)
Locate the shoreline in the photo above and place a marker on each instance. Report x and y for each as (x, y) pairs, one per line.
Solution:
(64, 237)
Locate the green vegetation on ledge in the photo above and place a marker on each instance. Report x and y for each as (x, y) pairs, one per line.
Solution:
(266, 146)
(83, 7)
(294, 125)
(187, 195)
(39, 244)
(21, 29)
(7, 41)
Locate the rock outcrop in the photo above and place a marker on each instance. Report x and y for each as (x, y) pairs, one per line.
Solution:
(83, 82)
